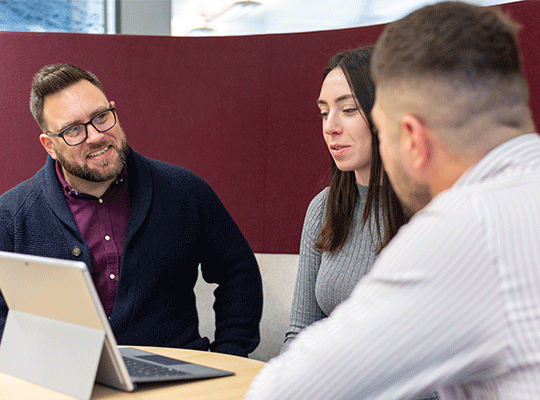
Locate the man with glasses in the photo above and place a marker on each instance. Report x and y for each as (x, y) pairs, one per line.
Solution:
(142, 226)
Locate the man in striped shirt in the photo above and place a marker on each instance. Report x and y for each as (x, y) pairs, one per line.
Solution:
(453, 302)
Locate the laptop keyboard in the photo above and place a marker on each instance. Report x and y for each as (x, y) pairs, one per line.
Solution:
(137, 368)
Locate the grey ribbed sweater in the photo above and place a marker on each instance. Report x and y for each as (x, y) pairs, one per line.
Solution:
(326, 279)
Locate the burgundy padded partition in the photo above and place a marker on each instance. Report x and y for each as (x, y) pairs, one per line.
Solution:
(239, 111)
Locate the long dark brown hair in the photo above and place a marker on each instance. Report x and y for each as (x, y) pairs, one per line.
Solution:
(343, 193)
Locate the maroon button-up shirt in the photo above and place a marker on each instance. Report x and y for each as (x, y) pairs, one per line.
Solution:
(102, 223)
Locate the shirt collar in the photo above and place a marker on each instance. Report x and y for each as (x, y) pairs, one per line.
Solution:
(512, 154)
(121, 178)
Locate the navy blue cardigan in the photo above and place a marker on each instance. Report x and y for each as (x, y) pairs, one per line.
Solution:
(176, 223)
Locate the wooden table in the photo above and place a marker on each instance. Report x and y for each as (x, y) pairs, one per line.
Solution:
(225, 388)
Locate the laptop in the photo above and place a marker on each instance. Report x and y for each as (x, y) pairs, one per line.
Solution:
(56, 325)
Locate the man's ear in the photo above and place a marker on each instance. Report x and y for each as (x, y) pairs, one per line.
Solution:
(418, 141)
(48, 145)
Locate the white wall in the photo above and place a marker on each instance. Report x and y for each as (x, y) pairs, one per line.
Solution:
(154, 17)
(280, 16)
(144, 17)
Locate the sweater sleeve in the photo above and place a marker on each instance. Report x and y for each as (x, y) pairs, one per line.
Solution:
(6, 244)
(304, 309)
(228, 260)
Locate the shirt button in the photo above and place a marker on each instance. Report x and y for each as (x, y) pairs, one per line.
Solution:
(100, 201)
(107, 237)
(76, 251)
(112, 276)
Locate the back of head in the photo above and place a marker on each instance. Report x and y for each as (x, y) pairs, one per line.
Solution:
(52, 79)
(457, 67)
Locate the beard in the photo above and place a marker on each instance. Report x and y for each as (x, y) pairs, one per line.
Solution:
(417, 198)
(413, 195)
(85, 172)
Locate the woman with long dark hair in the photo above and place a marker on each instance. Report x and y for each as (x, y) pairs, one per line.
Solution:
(348, 223)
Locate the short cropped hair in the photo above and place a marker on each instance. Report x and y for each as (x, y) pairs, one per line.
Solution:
(448, 38)
(52, 79)
(462, 61)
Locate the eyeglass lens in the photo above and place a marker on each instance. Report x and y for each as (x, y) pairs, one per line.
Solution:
(77, 133)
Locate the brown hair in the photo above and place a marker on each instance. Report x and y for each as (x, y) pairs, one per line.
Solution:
(343, 192)
(449, 39)
(52, 79)
(462, 62)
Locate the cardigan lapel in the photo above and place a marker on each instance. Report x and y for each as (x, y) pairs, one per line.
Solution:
(140, 192)
(54, 195)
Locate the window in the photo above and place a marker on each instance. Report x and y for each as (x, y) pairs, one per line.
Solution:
(247, 17)
(83, 16)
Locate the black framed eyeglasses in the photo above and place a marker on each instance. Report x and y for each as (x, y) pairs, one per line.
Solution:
(78, 133)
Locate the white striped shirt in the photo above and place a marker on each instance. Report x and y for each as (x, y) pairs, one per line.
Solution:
(452, 304)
